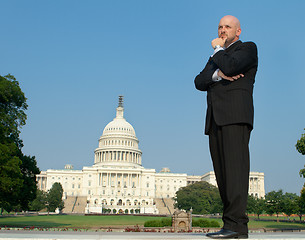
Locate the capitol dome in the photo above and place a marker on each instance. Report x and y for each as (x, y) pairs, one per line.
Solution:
(118, 144)
(119, 125)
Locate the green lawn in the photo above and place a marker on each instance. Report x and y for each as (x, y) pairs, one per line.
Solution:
(270, 224)
(73, 221)
(88, 222)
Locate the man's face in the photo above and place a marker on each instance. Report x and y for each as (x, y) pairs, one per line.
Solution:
(229, 29)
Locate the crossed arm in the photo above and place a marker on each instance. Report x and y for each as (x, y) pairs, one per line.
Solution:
(231, 66)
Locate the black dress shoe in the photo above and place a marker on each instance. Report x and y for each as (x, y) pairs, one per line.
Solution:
(226, 234)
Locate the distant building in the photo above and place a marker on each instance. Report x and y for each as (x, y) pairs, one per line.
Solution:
(117, 181)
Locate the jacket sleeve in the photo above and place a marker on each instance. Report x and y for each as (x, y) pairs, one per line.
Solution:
(237, 62)
(204, 79)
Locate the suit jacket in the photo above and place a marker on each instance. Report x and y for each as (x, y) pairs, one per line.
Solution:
(230, 102)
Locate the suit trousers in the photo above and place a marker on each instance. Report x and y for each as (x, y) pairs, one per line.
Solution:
(229, 148)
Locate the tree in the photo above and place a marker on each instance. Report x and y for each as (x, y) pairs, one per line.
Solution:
(54, 198)
(274, 203)
(17, 171)
(256, 205)
(301, 204)
(10, 176)
(300, 146)
(202, 197)
(29, 170)
(39, 202)
(12, 107)
(290, 203)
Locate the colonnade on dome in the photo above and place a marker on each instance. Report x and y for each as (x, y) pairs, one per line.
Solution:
(117, 156)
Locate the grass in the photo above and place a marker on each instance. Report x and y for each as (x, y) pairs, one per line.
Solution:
(73, 221)
(270, 224)
(94, 222)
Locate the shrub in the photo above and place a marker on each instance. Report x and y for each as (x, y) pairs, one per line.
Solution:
(214, 223)
(204, 223)
(159, 223)
(152, 223)
(166, 222)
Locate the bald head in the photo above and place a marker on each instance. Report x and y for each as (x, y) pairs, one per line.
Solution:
(229, 29)
(232, 19)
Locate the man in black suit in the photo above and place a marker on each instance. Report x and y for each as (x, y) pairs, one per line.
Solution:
(228, 78)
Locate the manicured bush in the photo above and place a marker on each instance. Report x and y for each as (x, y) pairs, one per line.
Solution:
(204, 223)
(152, 223)
(164, 222)
(214, 223)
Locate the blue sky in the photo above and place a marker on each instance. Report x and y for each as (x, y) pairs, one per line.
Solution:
(73, 59)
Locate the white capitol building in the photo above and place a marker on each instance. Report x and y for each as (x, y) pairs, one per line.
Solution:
(118, 182)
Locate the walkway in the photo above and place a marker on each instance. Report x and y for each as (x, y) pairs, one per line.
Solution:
(26, 235)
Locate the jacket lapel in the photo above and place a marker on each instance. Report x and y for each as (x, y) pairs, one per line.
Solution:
(233, 46)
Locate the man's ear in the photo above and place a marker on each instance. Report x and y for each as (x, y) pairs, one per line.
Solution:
(238, 32)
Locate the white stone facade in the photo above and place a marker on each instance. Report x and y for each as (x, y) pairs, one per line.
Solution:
(256, 182)
(118, 181)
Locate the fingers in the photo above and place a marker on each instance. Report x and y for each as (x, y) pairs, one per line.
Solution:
(233, 78)
(238, 76)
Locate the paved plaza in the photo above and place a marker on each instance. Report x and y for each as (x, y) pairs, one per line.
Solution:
(14, 234)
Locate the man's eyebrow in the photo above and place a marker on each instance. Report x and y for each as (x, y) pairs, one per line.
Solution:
(224, 25)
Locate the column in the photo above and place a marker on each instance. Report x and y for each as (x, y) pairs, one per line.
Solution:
(129, 179)
(116, 180)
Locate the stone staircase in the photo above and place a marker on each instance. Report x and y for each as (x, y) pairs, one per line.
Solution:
(75, 204)
(170, 204)
(165, 205)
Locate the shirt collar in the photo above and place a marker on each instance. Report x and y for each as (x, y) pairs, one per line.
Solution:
(231, 44)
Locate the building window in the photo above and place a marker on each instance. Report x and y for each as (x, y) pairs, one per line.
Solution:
(89, 183)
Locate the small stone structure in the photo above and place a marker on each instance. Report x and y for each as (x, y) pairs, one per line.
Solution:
(182, 221)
